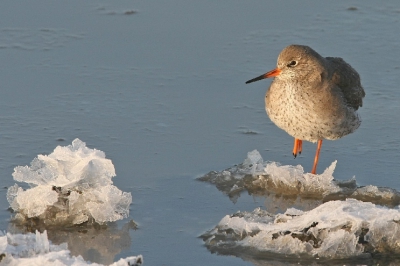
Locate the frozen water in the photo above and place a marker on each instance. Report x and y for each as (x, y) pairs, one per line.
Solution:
(260, 178)
(94, 242)
(256, 175)
(72, 185)
(331, 230)
(334, 230)
(67, 167)
(36, 249)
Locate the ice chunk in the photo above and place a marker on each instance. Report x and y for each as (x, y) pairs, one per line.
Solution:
(334, 230)
(99, 243)
(382, 195)
(36, 249)
(258, 176)
(114, 205)
(22, 199)
(72, 185)
(254, 163)
(293, 180)
(42, 243)
(291, 183)
(68, 167)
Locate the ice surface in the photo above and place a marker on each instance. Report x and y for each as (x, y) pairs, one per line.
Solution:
(36, 249)
(94, 242)
(265, 178)
(72, 185)
(256, 175)
(333, 230)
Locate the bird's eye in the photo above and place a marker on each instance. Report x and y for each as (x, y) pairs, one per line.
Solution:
(292, 64)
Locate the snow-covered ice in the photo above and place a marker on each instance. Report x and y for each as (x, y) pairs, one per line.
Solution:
(36, 249)
(265, 178)
(72, 185)
(334, 230)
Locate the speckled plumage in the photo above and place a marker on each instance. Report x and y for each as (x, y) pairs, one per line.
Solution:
(313, 97)
(317, 98)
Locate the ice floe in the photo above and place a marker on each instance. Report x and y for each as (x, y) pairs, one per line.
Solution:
(333, 230)
(266, 178)
(36, 249)
(307, 216)
(72, 185)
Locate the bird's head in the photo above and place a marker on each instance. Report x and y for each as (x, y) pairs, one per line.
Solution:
(296, 61)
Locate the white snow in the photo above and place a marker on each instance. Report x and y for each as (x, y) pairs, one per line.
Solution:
(336, 229)
(36, 249)
(71, 185)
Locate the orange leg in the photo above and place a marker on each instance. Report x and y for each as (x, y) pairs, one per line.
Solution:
(298, 145)
(314, 169)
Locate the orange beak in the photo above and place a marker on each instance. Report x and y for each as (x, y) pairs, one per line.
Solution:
(273, 73)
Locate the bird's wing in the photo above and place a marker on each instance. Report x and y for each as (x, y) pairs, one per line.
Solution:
(348, 80)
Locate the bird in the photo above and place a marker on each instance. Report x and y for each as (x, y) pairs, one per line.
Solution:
(312, 97)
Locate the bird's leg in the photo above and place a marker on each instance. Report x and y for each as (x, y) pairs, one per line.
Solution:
(314, 169)
(298, 145)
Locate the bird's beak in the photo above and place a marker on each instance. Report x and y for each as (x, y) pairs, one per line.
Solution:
(272, 73)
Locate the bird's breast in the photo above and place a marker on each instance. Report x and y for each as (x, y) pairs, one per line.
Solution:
(309, 113)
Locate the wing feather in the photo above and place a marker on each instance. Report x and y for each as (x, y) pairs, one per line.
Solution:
(348, 80)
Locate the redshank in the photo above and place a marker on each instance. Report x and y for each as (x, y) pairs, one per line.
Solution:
(313, 97)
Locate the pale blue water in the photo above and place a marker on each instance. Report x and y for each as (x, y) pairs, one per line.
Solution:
(161, 92)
